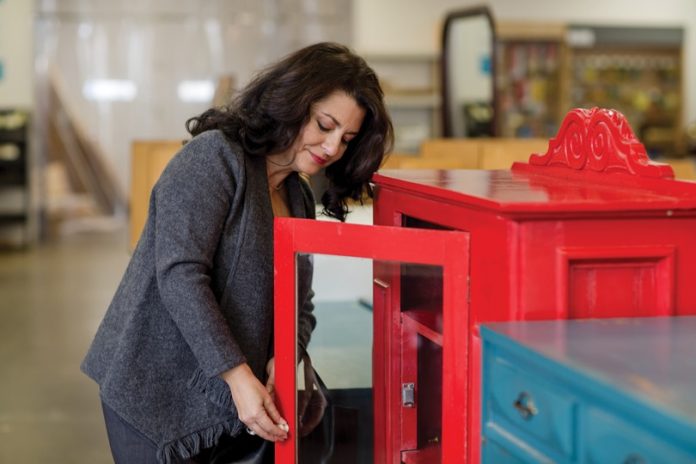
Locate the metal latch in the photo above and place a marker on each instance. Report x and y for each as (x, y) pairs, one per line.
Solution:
(408, 395)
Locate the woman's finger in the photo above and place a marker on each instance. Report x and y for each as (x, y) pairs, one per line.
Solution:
(269, 430)
(273, 412)
(270, 388)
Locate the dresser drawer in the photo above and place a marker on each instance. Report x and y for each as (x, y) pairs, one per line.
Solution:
(610, 439)
(535, 411)
(492, 452)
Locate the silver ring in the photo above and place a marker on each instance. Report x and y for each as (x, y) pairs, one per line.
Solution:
(250, 432)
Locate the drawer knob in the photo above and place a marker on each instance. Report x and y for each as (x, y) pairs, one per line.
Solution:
(525, 405)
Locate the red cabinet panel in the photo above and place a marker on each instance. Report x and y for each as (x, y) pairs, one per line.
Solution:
(642, 281)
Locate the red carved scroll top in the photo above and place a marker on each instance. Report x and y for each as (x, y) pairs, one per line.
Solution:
(599, 140)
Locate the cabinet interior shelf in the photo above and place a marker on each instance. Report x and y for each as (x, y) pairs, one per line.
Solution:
(426, 455)
(424, 321)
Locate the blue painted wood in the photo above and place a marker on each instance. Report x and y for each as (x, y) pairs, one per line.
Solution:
(552, 409)
(601, 391)
(493, 452)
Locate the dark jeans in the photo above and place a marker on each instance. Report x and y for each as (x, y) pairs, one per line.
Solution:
(128, 446)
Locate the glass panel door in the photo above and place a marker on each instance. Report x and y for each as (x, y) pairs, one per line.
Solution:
(386, 347)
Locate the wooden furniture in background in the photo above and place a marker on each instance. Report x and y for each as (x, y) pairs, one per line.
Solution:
(438, 162)
(494, 153)
(148, 159)
(684, 168)
(451, 147)
(501, 153)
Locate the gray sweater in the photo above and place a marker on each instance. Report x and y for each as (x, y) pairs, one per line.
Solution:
(196, 298)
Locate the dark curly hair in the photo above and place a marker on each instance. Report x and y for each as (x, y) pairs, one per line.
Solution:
(268, 114)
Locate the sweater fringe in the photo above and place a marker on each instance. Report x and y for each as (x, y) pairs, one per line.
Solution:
(214, 388)
(218, 393)
(191, 445)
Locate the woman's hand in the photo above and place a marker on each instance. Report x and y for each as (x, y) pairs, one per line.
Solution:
(254, 404)
(270, 383)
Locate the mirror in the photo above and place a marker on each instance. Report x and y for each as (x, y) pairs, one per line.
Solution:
(468, 74)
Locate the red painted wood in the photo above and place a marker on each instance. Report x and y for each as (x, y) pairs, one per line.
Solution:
(385, 244)
(383, 292)
(426, 322)
(532, 190)
(285, 327)
(642, 281)
(591, 230)
(599, 140)
(427, 455)
(407, 373)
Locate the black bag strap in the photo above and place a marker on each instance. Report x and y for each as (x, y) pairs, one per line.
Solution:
(312, 402)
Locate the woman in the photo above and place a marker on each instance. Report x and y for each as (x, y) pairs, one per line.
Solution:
(183, 356)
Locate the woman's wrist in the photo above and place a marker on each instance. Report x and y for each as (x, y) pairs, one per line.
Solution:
(231, 376)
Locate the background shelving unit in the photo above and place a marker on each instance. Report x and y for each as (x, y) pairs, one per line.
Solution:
(637, 71)
(14, 178)
(546, 69)
(411, 86)
(531, 75)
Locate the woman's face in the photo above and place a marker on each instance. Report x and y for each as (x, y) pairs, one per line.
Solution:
(333, 123)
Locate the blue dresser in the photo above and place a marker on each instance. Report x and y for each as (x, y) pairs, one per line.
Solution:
(605, 391)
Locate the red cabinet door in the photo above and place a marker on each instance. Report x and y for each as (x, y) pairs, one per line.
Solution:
(420, 336)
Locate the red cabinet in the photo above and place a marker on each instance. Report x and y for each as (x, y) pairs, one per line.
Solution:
(589, 229)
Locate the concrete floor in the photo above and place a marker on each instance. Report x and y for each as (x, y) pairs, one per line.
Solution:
(52, 299)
